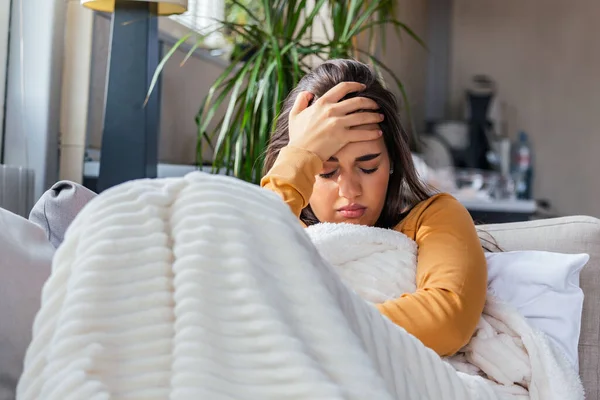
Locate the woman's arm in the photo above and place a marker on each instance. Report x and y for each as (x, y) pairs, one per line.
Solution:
(451, 277)
(292, 176)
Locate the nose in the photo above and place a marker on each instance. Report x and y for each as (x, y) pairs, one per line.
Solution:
(349, 185)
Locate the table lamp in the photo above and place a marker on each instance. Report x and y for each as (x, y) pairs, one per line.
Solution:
(130, 134)
(164, 7)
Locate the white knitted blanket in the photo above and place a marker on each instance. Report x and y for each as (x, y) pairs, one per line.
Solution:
(206, 287)
(517, 361)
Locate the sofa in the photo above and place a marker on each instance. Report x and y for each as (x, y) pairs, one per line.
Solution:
(21, 282)
(576, 234)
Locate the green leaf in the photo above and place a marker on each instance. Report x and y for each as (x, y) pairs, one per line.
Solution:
(162, 63)
(294, 17)
(340, 14)
(268, 25)
(199, 147)
(352, 8)
(278, 60)
(246, 9)
(280, 16)
(252, 88)
(309, 20)
(238, 164)
(228, 86)
(233, 100)
(226, 159)
(192, 50)
(367, 14)
(247, 32)
(212, 108)
(264, 129)
(265, 84)
(226, 155)
(249, 150)
(296, 65)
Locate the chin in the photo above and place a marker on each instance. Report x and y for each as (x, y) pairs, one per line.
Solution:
(357, 221)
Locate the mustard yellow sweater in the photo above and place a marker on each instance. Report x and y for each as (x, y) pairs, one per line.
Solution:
(451, 267)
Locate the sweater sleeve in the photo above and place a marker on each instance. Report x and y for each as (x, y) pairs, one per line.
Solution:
(292, 177)
(451, 279)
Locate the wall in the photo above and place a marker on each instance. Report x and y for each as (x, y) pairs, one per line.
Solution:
(407, 58)
(183, 90)
(439, 29)
(545, 56)
(32, 111)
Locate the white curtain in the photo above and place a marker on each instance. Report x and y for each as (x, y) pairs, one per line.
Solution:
(4, 19)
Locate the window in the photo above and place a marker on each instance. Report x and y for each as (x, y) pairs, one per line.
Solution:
(202, 17)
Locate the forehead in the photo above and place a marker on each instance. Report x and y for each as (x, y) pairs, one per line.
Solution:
(356, 149)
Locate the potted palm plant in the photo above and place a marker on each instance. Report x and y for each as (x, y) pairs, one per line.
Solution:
(275, 46)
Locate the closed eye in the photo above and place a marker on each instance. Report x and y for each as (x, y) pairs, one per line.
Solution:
(369, 171)
(364, 170)
(328, 174)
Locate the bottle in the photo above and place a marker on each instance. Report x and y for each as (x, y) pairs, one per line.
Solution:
(523, 167)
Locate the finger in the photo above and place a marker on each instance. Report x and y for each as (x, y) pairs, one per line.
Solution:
(367, 127)
(340, 90)
(361, 118)
(301, 103)
(355, 104)
(362, 135)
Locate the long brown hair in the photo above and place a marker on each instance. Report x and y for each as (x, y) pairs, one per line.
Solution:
(405, 189)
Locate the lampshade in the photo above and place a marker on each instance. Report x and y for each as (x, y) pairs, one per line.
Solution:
(165, 7)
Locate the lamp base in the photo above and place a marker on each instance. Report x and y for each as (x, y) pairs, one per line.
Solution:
(130, 136)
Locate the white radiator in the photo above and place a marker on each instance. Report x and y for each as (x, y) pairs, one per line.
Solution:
(16, 189)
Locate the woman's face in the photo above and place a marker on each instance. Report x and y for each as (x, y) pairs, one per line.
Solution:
(352, 186)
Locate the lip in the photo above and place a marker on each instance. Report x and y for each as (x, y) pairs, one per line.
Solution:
(352, 211)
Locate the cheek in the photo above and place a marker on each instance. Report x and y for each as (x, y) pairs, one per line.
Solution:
(324, 196)
(378, 184)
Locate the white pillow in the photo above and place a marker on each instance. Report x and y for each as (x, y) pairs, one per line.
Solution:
(544, 287)
(25, 264)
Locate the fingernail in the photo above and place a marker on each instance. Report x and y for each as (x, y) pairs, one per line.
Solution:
(364, 86)
(379, 133)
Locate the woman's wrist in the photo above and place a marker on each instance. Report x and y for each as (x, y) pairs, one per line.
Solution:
(293, 175)
(300, 165)
(302, 152)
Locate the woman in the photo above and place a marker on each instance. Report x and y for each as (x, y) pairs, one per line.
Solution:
(340, 154)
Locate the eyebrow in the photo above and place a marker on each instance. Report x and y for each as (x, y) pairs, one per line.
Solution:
(366, 157)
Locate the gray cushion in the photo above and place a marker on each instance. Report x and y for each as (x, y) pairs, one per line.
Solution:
(58, 207)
